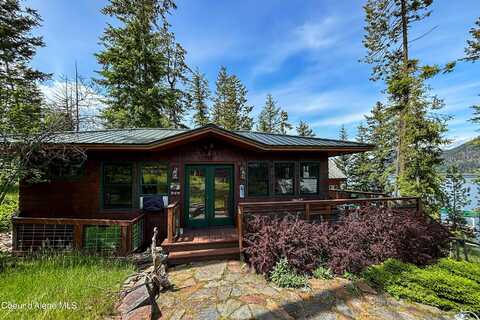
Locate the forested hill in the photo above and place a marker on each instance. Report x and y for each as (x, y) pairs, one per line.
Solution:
(466, 156)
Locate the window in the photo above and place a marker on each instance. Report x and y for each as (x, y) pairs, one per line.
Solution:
(284, 173)
(309, 174)
(65, 171)
(154, 179)
(258, 179)
(117, 186)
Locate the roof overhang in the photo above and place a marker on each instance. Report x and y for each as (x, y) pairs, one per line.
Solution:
(227, 136)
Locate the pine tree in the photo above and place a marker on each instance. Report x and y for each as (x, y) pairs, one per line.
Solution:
(380, 132)
(199, 94)
(359, 166)
(456, 196)
(343, 161)
(304, 130)
(472, 51)
(387, 42)
(272, 119)
(134, 66)
(230, 110)
(20, 97)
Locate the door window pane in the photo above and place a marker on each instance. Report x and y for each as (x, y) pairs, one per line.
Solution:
(284, 173)
(309, 174)
(155, 178)
(117, 186)
(222, 192)
(258, 179)
(197, 180)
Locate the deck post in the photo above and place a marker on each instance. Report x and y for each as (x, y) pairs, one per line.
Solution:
(170, 222)
(124, 240)
(307, 211)
(78, 236)
(240, 228)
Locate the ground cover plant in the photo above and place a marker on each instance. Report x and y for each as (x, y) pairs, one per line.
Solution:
(71, 285)
(447, 284)
(283, 275)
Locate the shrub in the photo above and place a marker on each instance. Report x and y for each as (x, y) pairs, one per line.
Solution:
(268, 239)
(7, 208)
(284, 276)
(446, 284)
(371, 235)
(322, 272)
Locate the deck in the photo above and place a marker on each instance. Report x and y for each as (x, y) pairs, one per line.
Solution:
(203, 244)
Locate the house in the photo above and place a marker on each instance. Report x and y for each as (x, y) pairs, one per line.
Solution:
(336, 177)
(201, 175)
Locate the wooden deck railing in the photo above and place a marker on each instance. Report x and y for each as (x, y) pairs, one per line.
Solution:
(173, 221)
(120, 235)
(314, 209)
(354, 194)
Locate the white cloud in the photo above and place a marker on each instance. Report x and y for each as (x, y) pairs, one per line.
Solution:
(309, 36)
(339, 120)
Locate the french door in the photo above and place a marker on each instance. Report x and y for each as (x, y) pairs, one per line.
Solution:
(208, 195)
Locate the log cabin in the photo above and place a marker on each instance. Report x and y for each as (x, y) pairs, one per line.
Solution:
(203, 180)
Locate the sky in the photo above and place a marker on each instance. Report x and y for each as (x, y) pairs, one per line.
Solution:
(305, 53)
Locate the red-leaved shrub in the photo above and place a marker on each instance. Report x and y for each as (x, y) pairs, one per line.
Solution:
(363, 237)
(269, 239)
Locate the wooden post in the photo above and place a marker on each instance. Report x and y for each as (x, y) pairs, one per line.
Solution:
(124, 240)
(465, 253)
(307, 211)
(170, 223)
(240, 228)
(78, 236)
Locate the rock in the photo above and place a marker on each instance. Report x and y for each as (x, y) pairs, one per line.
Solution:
(260, 312)
(324, 315)
(344, 309)
(139, 297)
(212, 271)
(142, 313)
(227, 308)
(364, 287)
(253, 299)
(242, 313)
(208, 313)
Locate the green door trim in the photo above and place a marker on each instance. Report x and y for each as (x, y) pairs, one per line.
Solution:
(210, 219)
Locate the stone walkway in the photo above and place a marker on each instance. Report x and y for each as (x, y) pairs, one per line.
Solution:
(226, 290)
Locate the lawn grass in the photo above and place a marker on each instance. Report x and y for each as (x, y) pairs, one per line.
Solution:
(7, 208)
(87, 286)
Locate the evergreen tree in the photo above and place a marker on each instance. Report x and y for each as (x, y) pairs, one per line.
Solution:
(456, 196)
(472, 51)
(343, 161)
(380, 132)
(20, 97)
(134, 66)
(230, 109)
(359, 167)
(304, 130)
(272, 119)
(199, 94)
(387, 42)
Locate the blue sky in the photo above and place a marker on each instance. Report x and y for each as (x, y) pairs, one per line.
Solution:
(305, 53)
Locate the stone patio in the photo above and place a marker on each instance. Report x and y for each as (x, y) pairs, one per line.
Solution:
(227, 290)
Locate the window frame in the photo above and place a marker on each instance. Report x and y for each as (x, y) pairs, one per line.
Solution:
(140, 178)
(300, 163)
(294, 178)
(102, 185)
(269, 180)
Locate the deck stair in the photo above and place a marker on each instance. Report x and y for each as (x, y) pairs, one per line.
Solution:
(203, 244)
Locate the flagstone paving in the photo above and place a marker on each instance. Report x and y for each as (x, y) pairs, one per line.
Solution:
(228, 290)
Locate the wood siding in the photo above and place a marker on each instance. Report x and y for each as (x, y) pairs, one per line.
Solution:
(81, 198)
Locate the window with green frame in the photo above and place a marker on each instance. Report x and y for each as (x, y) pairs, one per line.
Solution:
(258, 179)
(154, 178)
(284, 173)
(309, 175)
(117, 185)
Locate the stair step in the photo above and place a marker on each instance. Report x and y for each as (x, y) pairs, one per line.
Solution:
(203, 254)
(190, 246)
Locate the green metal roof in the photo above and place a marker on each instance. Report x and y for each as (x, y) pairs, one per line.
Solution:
(147, 136)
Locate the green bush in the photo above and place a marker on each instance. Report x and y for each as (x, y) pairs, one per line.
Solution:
(448, 284)
(322, 272)
(284, 276)
(7, 208)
